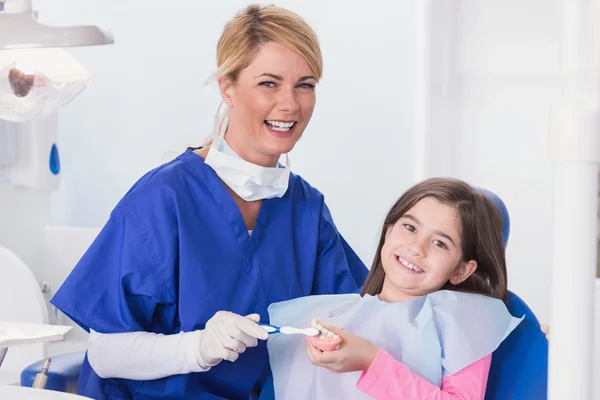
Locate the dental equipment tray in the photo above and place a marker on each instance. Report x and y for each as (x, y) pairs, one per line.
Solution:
(19, 333)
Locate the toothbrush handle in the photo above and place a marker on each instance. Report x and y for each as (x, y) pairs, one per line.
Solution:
(270, 328)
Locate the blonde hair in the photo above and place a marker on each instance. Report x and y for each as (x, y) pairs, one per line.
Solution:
(256, 25)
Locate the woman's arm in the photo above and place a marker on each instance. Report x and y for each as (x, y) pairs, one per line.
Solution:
(147, 356)
(388, 379)
(143, 355)
(124, 287)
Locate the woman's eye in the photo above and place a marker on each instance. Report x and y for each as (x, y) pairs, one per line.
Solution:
(440, 244)
(267, 84)
(307, 85)
(409, 227)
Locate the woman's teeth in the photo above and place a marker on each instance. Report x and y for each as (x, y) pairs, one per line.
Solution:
(280, 126)
(409, 265)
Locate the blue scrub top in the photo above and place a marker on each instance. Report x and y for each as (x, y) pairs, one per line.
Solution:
(176, 250)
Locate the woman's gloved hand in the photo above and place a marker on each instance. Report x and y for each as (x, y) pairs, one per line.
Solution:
(226, 336)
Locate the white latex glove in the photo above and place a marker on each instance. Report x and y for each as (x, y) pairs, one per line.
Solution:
(226, 336)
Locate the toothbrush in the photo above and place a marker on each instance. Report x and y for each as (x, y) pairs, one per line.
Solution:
(288, 330)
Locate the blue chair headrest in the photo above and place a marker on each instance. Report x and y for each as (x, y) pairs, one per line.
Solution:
(503, 212)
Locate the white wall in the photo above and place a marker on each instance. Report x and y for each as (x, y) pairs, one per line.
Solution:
(148, 99)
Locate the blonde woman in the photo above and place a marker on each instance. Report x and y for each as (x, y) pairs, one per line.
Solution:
(198, 248)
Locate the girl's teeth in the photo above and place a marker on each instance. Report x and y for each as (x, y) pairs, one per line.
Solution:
(409, 265)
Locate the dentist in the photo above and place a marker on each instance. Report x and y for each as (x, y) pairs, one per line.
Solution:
(172, 288)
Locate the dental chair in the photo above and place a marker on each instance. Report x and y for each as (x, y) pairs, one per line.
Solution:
(518, 371)
(21, 301)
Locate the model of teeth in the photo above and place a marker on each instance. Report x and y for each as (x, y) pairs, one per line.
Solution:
(409, 265)
(315, 323)
(280, 126)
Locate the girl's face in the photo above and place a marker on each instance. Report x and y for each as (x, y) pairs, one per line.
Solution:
(422, 252)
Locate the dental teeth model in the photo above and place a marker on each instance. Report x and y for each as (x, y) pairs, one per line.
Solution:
(327, 340)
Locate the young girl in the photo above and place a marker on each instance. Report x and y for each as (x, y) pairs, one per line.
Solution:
(429, 315)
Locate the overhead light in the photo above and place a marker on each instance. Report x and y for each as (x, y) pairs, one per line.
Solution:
(20, 29)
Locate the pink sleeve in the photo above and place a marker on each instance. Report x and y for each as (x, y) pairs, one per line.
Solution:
(389, 379)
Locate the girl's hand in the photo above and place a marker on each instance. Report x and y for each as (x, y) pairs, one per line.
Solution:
(355, 353)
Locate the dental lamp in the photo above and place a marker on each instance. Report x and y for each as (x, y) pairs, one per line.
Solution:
(37, 79)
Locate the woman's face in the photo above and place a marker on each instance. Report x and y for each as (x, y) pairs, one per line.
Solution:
(270, 104)
(422, 251)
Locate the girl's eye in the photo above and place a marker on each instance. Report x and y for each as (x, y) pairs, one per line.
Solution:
(410, 228)
(440, 244)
